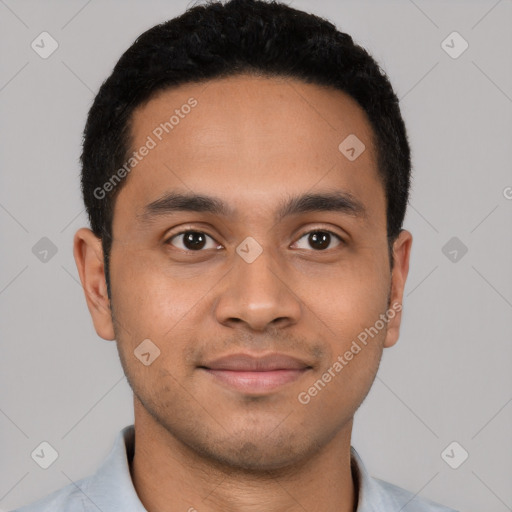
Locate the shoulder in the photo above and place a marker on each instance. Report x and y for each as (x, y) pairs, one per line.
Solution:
(391, 495)
(109, 488)
(376, 494)
(69, 499)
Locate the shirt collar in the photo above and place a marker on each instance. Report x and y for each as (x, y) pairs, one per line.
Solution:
(370, 494)
(112, 483)
(111, 487)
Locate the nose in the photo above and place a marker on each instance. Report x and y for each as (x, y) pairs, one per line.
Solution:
(258, 294)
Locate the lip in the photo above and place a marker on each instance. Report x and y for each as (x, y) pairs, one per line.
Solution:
(251, 363)
(255, 375)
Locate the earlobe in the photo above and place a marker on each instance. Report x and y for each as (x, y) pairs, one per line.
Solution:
(88, 254)
(401, 253)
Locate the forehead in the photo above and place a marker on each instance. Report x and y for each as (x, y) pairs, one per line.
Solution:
(252, 141)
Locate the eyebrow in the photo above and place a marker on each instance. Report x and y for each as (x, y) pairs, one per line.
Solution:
(171, 202)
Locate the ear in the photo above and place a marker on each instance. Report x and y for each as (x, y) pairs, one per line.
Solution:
(401, 254)
(88, 254)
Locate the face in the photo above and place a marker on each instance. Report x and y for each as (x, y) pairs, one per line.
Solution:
(254, 267)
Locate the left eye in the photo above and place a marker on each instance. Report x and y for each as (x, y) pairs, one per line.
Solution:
(320, 239)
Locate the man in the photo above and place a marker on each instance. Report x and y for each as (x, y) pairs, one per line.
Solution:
(246, 173)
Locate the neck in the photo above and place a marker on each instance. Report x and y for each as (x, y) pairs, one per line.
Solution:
(169, 476)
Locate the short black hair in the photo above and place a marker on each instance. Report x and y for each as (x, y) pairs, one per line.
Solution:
(216, 40)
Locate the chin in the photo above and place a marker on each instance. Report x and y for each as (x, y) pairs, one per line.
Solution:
(248, 454)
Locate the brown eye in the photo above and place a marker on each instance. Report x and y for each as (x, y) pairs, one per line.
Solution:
(320, 240)
(192, 241)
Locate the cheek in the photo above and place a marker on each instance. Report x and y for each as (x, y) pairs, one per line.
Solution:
(346, 310)
(346, 298)
(146, 296)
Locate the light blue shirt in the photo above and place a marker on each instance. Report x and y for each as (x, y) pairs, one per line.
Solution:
(110, 489)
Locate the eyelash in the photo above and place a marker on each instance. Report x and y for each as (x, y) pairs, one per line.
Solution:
(315, 230)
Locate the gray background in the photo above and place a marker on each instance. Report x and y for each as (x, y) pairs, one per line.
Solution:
(448, 378)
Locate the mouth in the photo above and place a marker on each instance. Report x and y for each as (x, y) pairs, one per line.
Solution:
(256, 375)
(255, 382)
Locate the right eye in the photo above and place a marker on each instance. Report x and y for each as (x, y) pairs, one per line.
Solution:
(192, 240)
